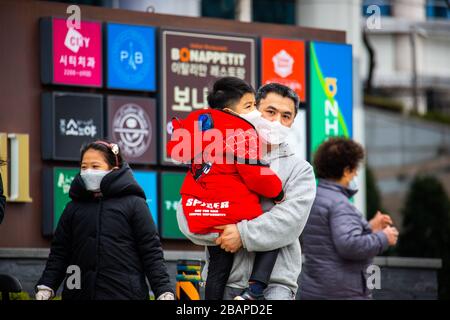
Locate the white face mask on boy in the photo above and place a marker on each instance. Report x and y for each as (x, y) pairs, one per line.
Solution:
(253, 117)
(93, 178)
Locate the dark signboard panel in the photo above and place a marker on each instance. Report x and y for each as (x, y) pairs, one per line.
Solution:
(68, 121)
(132, 125)
(191, 63)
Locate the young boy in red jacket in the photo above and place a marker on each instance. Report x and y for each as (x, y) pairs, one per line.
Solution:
(226, 177)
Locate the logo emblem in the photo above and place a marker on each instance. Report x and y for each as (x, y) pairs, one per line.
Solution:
(132, 130)
(130, 53)
(75, 40)
(283, 63)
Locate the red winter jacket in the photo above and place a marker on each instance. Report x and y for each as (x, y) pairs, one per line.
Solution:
(226, 173)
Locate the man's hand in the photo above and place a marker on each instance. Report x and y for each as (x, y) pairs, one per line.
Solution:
(380, 221)
(230, 239)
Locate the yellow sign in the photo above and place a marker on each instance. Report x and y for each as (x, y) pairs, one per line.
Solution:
(15, 148)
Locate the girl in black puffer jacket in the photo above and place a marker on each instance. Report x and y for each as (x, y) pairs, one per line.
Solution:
(108, 232)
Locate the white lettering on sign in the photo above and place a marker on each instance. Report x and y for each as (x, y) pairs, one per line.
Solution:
(134, 58)
(80, 128)
(171, 205)
(75, 40)
(331, 109)
(205, 56)
(187, 99)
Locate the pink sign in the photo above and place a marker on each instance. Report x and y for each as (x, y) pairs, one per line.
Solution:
(77, 53)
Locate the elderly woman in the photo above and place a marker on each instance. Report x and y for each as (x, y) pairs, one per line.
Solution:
(339, 244)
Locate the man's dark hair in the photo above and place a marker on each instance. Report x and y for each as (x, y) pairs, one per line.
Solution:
(279, 89)
(336, 154)
(109, 156)
(228, 91)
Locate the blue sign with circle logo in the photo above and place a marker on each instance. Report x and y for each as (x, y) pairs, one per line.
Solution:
(131, 57)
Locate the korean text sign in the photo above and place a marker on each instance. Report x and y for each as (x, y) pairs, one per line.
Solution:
(71, 56)
(191, 63)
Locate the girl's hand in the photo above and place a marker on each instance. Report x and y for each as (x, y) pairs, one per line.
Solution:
(166, 296)
(44, 293)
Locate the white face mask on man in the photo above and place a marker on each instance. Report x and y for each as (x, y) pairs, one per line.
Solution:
(272, 132)
(93, 178)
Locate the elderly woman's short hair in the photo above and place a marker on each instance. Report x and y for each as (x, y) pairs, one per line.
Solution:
(336, 154)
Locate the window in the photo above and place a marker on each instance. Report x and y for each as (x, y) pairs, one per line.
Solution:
(384, 5)
(274, 11)
(100, 3)
(437, 9)
(224, 9)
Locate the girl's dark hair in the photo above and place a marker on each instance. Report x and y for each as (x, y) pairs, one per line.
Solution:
(336, 154)
(110, 157)
(227, 91)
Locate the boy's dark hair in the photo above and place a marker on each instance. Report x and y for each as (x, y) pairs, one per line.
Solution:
(279, 89)
(228, 91)
(336, 154)
(112, 159)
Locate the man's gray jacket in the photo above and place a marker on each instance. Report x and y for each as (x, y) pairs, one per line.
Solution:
(279, 227)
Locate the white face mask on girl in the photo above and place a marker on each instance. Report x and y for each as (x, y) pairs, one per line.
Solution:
(93, 178)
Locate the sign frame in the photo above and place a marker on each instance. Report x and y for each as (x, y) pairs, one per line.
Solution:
(154, 72)
(305, 90)
(47, 53)
(48, 199)
(155, 198)
(162, 218)
(154, 140)
(163, 159)
(48, 130)
(311, 96)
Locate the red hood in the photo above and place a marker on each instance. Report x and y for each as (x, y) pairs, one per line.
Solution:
(194, 133)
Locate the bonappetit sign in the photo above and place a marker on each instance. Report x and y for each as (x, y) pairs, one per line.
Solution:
(191, 63)
(71, 56)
